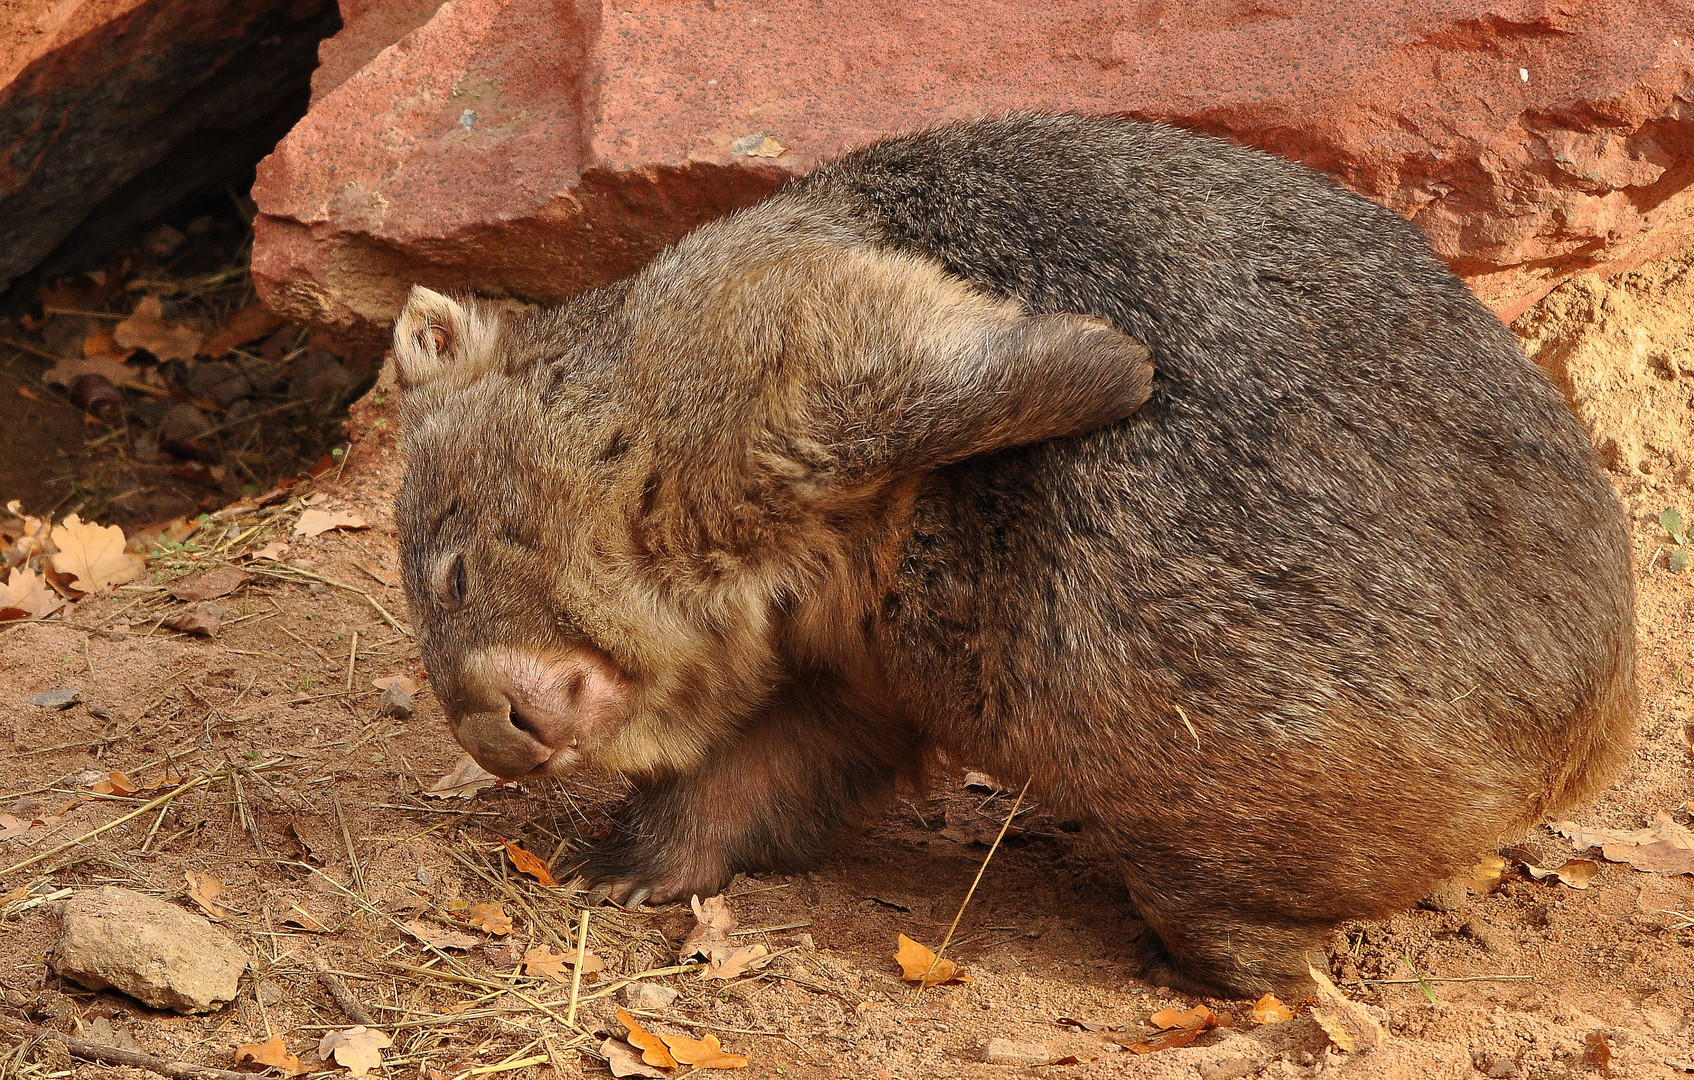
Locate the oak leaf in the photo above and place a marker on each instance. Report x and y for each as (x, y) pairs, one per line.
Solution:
(438, 938)
(465, 779)
(1269, 1010)
(94, 557)
(917, 963)
(653, 1049)
(709, 940)
(147, 329)
(210, 586)
(253, 321)
(1664, 847)
(1349, 1025)
(489, 916)
(315, 522)
(623, 1060)
(737, 962)
(26, 596)
(703, 1053)
(1180, 1029)
(530, 864)
(357, 1049)
(116, 783)
(204, 889)
(1576, 873)
(271, 1052)
(69, 369)
(201, 620)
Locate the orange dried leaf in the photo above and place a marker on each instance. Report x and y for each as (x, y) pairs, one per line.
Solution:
(204, 889)
(653, 1049)
(1181, 1028)
(315, 522)
(26, 593)
(147, 329)
(530, 865)
(703, 1053)
(116, 783)
(1269, 1010)
(918, 962)
(252, 321)
(436, 937)
(273, 1053)
(489, 916)
(95, 557)
(623, 1060)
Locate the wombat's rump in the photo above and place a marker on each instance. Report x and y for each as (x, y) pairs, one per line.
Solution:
(1334, 606)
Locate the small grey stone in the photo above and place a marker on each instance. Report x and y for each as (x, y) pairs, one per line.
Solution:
(57, 699)
(271, 994)
(182, 424)
(220, 381)
(395, 702)
(642, 995)
(1014, 1052)
(151, 950)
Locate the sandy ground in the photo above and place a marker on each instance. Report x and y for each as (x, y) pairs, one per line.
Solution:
(318, 807)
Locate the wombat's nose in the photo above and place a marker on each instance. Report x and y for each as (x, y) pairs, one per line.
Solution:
(500, 743)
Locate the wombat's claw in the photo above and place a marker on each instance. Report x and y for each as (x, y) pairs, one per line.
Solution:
(634, 899)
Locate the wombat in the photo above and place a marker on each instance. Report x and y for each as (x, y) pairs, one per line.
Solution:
(1156, 472)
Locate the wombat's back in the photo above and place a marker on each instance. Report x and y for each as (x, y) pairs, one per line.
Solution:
(1344, 604)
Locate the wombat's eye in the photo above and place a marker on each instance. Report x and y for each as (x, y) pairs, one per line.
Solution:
(433, 336)
(448, 582)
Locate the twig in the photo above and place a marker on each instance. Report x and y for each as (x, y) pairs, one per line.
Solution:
(343, 997)
(974, 883)
(92, 833)
(576, 975)
(112, 1055)
(1433, 979)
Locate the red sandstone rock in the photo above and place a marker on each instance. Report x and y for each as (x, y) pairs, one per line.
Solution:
(534, 149)
(113, 110)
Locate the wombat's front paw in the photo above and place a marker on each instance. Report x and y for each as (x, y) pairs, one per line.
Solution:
(633, 873)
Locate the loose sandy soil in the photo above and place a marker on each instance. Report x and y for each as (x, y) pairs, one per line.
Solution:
(325, 814)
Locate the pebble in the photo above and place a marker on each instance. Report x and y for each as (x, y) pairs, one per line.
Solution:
(643, 995)
(57, 699)
(148, 949)
(1014, 1052)
(395, 702)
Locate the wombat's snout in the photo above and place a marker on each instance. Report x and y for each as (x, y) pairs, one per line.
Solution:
(518, 712)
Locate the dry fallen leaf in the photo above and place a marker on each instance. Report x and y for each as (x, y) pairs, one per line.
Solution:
(918, 962)
(101, 342)
(437, 937)
(703, 1053)
(623, 1060)
(201, 619)
(1664, 847)
(204, 889)
(315, 522)
(1485, 876)
(542, 962)
(147, 329)
(1349, 1025)
(301, 919)
(273, 1053)
(709, 940)
(1180, 1029)
(489, 916)
(769, 148)
(530, 864)
(466, 779)
(408, 686)
(273, 551)
(653, 1049)
(26, 596)
(252, 321)
(357, 1049)
(116, 783)
(1269, 1010)
(93, 556)
(737, 962)
(13, 827)
(69, 369)
(220, 582)
(1576, 873)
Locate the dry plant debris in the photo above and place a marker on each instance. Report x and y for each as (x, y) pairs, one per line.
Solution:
(1269, 1010)
(271, 1052)
(1349, 1025)
(543, 962)
(315, 522)
(918, 964)
(357, 1049)
(96, 559)
(530, 864)
(665, 1051)
(710, 941)
(489, 917)
(1664, 847)
(1176, 1028)
(1576, 873)
(204, 889)
(147, 329)
(464, 780)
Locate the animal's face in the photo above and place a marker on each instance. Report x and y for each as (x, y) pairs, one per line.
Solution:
(612, 509)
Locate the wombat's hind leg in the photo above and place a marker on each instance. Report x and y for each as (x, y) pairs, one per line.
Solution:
(800, 775)
(1230, 955)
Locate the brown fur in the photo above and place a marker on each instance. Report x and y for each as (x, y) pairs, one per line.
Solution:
(1305, 615)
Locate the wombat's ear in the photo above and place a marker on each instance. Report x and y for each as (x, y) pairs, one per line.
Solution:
(436, 335)
(936, 373)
